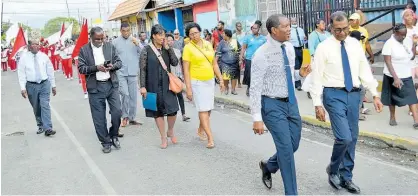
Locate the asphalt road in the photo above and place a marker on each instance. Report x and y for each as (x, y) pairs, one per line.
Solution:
(71, 162)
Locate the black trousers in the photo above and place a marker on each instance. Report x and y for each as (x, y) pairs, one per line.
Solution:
(97, 101)
(181, 103)
(298, 63)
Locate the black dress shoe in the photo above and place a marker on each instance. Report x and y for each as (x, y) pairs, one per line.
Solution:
(50, 132)
(333, 179)
(299, 88)
(266, 175)
(116, 143)
(40, 130)
(350, 186)
(106, 149)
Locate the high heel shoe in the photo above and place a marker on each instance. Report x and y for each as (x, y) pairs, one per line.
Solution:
(173, 139)
(164, 144)
(210, 145)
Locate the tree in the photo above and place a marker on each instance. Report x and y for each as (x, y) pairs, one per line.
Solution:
(54, 25)
(5, 26)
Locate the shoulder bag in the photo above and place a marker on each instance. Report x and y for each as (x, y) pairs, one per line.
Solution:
(175, 84)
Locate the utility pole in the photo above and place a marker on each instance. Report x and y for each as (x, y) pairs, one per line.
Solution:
(2, 4)
(100, 12)
(68, 9)
(79, 19)
(108, 7)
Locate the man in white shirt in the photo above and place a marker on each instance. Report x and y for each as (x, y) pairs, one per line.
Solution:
(36, 77)
(273, 101)
(99, 61)
(340, 68)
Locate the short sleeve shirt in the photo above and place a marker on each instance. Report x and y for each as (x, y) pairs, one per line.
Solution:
(364, 33)
(200, 59)
(253, 43)
(401, 54)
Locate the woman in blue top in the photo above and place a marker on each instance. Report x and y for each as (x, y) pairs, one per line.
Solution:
(317, 36)
(250, 44)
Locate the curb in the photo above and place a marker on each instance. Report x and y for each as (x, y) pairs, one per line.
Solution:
(390, 140)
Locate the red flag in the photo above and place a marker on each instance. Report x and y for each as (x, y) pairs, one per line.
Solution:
(20, 42)
(82, 40)
(62, 29)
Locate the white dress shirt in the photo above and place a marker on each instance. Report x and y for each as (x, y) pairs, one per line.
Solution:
(26, 68)
(401, 54)
(268, 73)
(99, 59)
(328, 69)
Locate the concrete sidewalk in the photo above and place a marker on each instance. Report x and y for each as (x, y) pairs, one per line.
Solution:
(376, 125)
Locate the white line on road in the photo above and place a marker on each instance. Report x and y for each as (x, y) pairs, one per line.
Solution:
(92, 165)
(329, 146)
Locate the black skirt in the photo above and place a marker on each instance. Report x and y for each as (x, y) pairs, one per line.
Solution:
(398, 97)
(247, 73)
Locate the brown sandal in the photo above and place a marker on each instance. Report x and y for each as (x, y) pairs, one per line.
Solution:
(202, 135)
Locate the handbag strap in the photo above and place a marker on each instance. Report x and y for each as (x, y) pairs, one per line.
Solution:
(160, 58)
(201, 51)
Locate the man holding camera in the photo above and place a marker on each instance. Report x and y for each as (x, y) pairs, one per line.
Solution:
(99, 62)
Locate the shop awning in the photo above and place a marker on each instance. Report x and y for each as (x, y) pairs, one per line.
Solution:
(128, 8)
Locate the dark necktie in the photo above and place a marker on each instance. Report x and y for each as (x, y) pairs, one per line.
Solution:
(290, 88)
(348, 81)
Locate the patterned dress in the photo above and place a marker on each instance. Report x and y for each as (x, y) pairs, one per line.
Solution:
(228, 53)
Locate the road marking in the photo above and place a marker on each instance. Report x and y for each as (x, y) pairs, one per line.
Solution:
(375, 160)
(92, 165)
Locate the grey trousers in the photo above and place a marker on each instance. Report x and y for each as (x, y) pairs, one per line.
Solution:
(39, 96)
(128, 88)
(97, 101)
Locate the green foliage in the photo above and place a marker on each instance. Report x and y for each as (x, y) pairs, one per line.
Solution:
(54, 25)
(5, 26)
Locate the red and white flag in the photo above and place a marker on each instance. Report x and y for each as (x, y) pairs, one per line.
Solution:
(19, 44)
(82, 40)
(62, 29)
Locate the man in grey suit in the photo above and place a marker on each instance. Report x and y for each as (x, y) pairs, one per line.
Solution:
(36, 77)
(128, 50)
(99, 62)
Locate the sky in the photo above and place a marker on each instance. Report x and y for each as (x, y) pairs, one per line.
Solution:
(36, 13)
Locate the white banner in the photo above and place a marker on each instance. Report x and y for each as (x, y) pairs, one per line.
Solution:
(67, 34)
(11, 33)
(54, 38)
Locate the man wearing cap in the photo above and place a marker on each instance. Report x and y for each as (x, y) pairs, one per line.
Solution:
(36, 77)
(355, 26)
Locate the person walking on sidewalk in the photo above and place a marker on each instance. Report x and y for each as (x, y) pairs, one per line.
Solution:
(298, 39)
(199, 69)
(128, 50)
(98, 61)
(36, 77)
(155, 61)
(178, 71)
(398, 86)
(250, 44)
(340, 68)
(273, 101)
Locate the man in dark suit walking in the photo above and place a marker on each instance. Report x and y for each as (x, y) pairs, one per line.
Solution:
(99, 62)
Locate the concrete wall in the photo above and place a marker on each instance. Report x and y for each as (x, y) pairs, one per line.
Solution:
(206, 14)
(232, 11)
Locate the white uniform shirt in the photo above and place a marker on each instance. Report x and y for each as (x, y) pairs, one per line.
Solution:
(99, 59)
(26, 68)
(328, 69)
(401, 54)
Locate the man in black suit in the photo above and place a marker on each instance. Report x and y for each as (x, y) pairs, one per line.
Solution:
(99, 62)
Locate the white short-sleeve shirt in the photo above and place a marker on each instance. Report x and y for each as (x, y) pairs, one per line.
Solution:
(401, 54)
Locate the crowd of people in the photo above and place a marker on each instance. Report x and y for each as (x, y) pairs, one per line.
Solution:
(112, 71)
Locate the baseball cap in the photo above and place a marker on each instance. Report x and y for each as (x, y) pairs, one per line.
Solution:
(355, 16)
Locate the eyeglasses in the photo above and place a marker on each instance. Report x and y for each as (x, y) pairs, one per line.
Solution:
(194, 33)
(339, 30)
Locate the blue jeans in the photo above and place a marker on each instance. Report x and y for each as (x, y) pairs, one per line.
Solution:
(39, 96)
(343, 110)
(283, 121)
